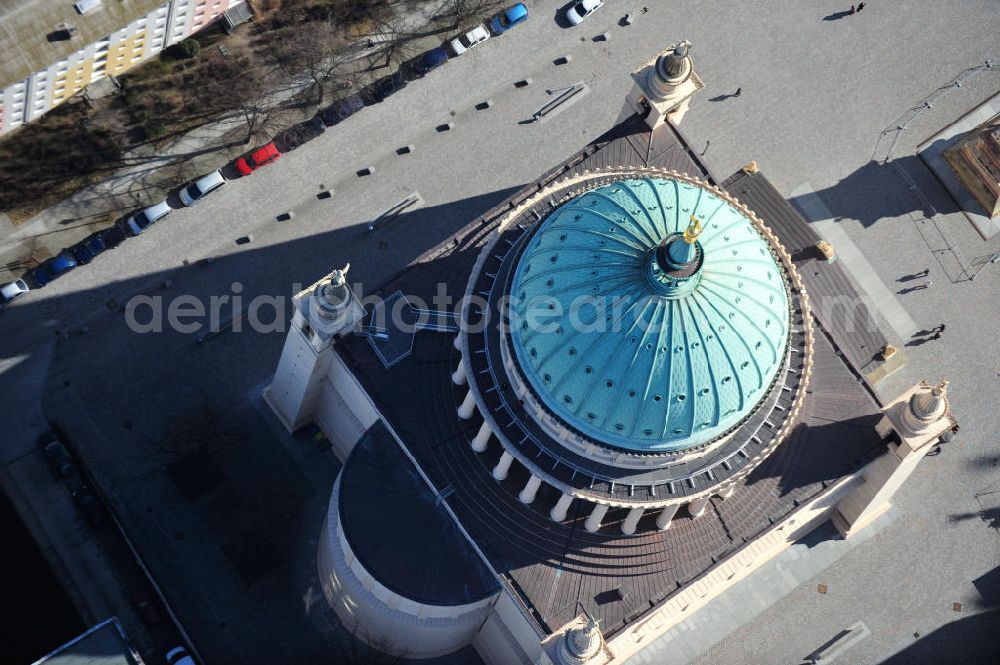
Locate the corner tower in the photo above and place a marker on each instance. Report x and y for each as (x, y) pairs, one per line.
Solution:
(324, 311)
(664, 86)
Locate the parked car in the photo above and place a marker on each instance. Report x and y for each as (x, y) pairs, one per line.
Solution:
(260, 157)
(201, 188)
(508, 18)
(112, 236)
(582, 10)
(143, 219)
(85, 250)
(58, 458)
(296, 135)
(375, 92)
(426, 62)
(11, 291)
(55, 267)
(474, 37)
(179, 656)
(341, 109)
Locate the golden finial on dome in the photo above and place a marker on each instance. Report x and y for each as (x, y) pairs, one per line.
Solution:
(693, 230)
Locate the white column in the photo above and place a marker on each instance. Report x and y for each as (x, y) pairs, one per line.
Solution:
(558, 512)
(503, 466)
(697, 507)
(666, 516)
(593, 522)
(457, 343)
(482, 438)
(468, 406)
(527, 494)
(728, 492)
(458, 376)
(632, 521)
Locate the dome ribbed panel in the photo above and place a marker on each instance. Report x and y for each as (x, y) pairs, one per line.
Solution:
(618, 361)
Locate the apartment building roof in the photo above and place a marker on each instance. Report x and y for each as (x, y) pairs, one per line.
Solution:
(30, 30)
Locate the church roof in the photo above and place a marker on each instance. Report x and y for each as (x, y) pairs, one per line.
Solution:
(634, 356)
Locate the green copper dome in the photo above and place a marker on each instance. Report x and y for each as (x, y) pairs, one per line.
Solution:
(641, 336)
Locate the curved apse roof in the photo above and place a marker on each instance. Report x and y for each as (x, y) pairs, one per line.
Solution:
(625, 361)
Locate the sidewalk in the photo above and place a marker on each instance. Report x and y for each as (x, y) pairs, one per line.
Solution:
(152, 173)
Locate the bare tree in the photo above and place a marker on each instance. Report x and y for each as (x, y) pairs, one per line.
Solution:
(316, 51)
(197, 433)
(462, 12)
(252, 98)
(393, 40)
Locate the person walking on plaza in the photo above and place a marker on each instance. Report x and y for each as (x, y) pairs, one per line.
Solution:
(853, 10)
(861, 6)
(739, 91)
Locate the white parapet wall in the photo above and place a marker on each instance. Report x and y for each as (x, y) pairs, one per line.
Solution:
(343, 411)
(378, 615)
(730, 570)
(507, 638)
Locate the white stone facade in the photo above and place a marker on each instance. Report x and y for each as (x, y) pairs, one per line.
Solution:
(383, 618)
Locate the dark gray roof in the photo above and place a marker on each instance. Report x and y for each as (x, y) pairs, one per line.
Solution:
(847, 320)
(25, 26)
(551, 566)
(397, 528)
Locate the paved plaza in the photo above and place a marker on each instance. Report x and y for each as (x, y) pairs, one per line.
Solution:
(817, 95)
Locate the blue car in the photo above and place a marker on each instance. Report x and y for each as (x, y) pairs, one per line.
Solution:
(429, 61)
(508, 18)
(85, 250)
(53, 268)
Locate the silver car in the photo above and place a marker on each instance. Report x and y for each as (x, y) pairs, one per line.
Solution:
(581, 10)
(138, 222)
(12, 291)
(201, 188)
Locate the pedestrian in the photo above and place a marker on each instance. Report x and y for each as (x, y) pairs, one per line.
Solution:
(853, 10)
(928, 284)
(861, 6)
(707, 143)
(939, 328)
(739, 91)
(923, 273)
(936, 335)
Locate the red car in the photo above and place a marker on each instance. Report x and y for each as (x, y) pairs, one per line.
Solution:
(258, 158)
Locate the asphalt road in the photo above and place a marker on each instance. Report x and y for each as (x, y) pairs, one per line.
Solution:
(815, 95)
